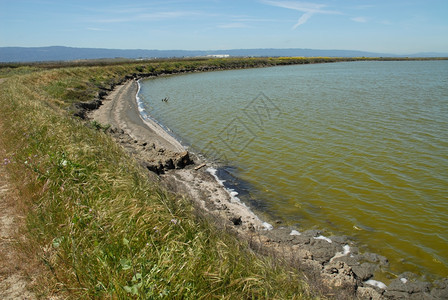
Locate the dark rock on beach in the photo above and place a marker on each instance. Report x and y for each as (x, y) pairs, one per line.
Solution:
(236, 221)
(181, 160)
(82, 108)
(364, 271)
(440, 289)
(157, 160)
(322, 250)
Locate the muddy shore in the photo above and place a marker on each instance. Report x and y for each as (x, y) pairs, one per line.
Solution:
(333, 262)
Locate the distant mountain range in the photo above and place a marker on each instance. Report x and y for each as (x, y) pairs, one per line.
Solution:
(60, 53)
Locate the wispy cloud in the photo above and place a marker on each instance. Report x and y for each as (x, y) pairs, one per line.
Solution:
(239, 21)
(302, 20)
(156, 16)
(234, 25)
(96, 29)
(309, 9)
(166, 15)
(255, 20)
(110, 20)
(359, 19)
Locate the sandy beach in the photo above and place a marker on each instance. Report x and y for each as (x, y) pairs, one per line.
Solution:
(334, 262)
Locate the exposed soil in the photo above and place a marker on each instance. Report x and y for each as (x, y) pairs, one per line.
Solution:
(15, 276)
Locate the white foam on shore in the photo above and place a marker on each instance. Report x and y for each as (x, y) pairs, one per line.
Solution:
(345, 251)
(233, 193)
(267, 226)
(321, 237)
(376, 283)
(294, 232)
(140, 106)
(233, 196)
(213, 171)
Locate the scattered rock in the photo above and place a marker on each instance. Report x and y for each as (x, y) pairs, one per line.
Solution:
(169, 164)
(181, 160)
(301, 239)
(101, 94)
(82, 108)
(94, 104)
(349, 260)
(409, 287)
(236, 221)
(312, 233)
(440, 290)
(364, 271)
(157, 160)
(322, 250)
(302, 253)
(343, 240)
(339, 274)
(280, 235)
(366, 293)
(374, 258)
(155, 167)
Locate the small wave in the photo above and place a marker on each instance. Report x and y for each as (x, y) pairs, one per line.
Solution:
(213, 171)
(140, 105)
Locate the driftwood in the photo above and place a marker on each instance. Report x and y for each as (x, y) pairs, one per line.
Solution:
(200, 166)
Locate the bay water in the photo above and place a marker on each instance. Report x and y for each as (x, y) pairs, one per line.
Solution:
(353, 148)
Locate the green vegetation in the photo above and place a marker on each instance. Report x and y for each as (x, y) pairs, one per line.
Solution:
(97, 222)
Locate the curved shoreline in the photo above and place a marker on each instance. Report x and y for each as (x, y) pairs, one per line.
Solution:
(336, 260)
(150, 143)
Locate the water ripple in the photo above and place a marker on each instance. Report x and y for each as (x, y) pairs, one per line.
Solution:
(357, 148)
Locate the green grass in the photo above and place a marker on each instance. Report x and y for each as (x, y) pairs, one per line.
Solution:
(96, 221)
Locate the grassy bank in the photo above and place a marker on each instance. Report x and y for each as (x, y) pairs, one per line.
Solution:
(97, 223)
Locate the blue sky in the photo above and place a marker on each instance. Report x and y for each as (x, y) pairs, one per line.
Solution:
(387, 26)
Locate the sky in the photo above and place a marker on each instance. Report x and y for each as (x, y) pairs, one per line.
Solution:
(385, 26)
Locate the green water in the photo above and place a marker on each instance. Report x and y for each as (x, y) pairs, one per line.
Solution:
(357, 148)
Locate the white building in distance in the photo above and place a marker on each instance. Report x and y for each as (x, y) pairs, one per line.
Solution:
(219, 55)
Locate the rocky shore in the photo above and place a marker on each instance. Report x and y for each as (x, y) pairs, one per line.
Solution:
(334, 262)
